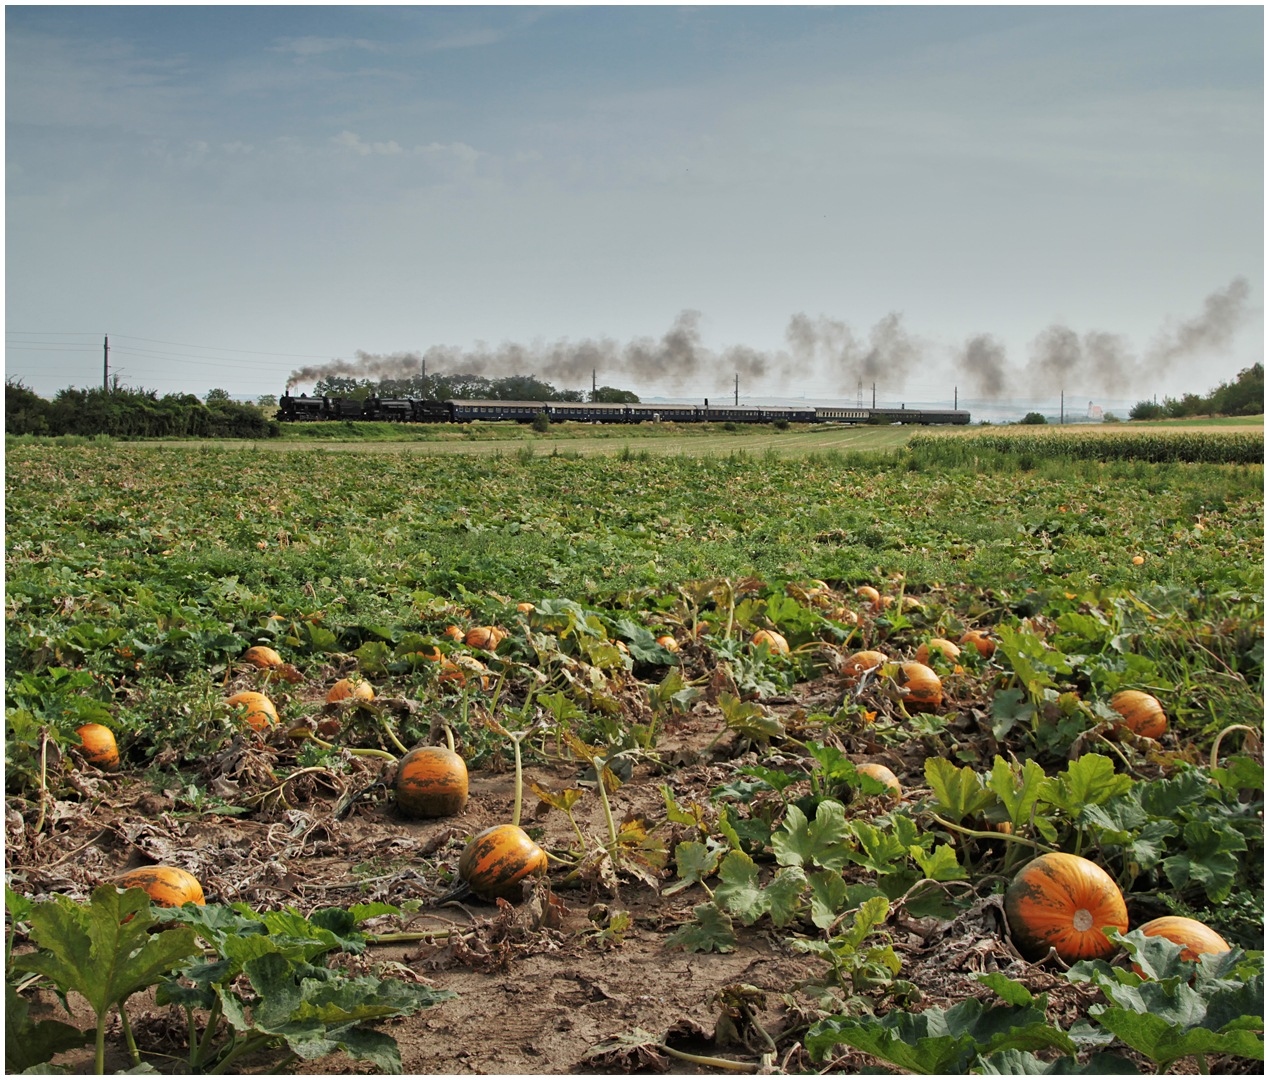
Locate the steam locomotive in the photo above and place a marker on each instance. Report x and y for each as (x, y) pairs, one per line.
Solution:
(413, 410)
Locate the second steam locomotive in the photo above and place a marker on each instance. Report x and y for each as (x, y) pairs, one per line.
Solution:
(460, 411)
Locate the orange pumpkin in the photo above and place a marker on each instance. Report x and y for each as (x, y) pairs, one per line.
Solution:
(525, 607)
(260, 714)
(497, 860)
(484, 637)
(458, 668)
(938, 645)
(358, 689)
(263, 657)
(775, 642)
(431, 782)
(668, 643)
(1064, 902)
(455, 632)
(168, 886)
(1194, 936)
(857, 663)
(869, 595)
(925, 688)
(1142, 713)
(985, 646)
(880, 772)
(99, 747)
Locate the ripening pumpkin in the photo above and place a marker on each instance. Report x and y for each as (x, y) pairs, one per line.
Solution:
(880, 772)
(1064, 901)
(497, 860)
(99, 746)
(358, 689)
(857, 663)
(431, 781)
(869, 595)
(168, 886)
(925, 688)
(668, 643)
(525, 607)
(1142, 713)
(458, 668)
(263, 657)
(985, 646)
(775, 642)
(1194, 937)
(939, 645)
(261, 714)
(484, 637)
(455, 632)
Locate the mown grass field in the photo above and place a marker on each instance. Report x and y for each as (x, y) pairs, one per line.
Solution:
(137, 575)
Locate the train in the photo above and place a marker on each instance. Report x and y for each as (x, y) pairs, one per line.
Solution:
(464, 411)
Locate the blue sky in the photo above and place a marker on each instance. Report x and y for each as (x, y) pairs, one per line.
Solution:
(1007, 200)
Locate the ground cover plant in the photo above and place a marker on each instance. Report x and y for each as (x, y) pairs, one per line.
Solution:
(725, 883)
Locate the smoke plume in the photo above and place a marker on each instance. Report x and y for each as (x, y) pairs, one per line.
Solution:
(1059, 358)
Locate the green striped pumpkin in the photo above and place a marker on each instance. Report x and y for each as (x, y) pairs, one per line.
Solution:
(431, 782)
(498, 859)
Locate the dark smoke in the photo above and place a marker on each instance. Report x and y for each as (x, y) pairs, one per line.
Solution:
(1060, 358)
(1101, 362)
(983, 362)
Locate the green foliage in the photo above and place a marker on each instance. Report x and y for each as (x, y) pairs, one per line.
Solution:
(1034, 418)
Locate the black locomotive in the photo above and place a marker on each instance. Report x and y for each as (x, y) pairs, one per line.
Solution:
(462, 411)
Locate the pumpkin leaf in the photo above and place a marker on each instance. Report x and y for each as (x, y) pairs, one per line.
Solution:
(695, 862)
(878, 850)
(960, 792)
(828, 897)
(1087, 782)
(1208, 859)
(799, 842)
(1017, 794)
(710, 931)
(28, 1044)
(940, 865)
(783, 894)
(739, 891)
(1023, 1063)
(103, 950)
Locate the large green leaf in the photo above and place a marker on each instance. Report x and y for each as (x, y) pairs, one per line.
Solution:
(27, 1044)
(102, 950)
(960, 792)
(822, 842)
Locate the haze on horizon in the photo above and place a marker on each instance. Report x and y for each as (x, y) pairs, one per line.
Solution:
(1009, 201)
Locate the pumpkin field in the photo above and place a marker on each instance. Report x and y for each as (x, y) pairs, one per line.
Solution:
(945, 757)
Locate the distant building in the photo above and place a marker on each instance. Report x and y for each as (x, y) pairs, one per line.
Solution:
(1094, 411)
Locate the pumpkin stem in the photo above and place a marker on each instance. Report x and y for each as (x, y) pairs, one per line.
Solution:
(39, 825)
(392, 735)
(126, 1024)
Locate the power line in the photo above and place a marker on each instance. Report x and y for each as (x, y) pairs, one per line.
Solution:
(181, 344)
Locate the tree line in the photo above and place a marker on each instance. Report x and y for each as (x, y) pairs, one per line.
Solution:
(466, 388)
(1244, 396)
(123, 412)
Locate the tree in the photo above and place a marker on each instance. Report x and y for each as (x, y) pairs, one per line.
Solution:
(541, 422)
(1146, 410)
(266, 401)
(217, 395)
(610, 395)
(1110, 418)
(1034, 418)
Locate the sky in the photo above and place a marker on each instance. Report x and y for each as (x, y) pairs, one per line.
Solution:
(987, 202)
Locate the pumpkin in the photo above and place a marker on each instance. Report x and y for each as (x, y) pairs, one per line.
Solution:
(869, 595)
(358, 689)
(1064, 901)
(925, 689)
(985, 646)
(1142, 713)
(455, 632)
(525, 607)
(940, 645)
(775, 642)
(880, 772)
(457, 668)
(1137, 560)
(167, 886)
(484, 637)
(668, 643)
(260, 713)
(431, 781)
(1194, 937)
(857, 663)
(263, 657)
(497, 860)
(99, 747)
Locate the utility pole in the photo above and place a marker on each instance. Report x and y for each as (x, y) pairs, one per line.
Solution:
(859, 393)
(955, 397)
(874, 395)
(105, 366)
(594, 384)
(737, 399)
(1062, 409)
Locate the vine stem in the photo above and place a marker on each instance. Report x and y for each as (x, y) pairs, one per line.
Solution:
(39, 825)
(358, 751)
(392, 735)
(1216, 746)
(995, 836)
(715, 1062)
(126, 1024)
